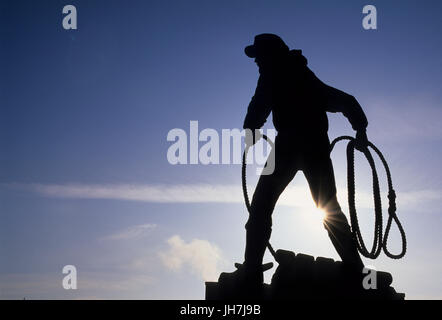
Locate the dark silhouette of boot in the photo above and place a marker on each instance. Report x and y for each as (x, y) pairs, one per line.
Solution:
(249, 275)
(244, 283)
(244, 276)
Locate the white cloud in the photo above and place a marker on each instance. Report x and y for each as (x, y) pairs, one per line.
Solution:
(201, 256)
(132, 232)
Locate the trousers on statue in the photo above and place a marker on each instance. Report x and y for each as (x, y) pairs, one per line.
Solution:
(291, 156)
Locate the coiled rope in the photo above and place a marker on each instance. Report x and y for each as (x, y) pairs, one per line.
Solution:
(379, 241)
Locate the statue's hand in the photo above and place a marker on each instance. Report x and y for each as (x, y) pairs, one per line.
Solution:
(252, 136)
(361, 142)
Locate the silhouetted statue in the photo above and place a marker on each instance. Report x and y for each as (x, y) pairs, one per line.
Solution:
(299, 102)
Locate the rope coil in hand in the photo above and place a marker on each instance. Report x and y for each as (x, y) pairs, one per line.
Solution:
(379, 241)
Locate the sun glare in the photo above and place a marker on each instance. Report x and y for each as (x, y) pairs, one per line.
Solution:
(315, 216)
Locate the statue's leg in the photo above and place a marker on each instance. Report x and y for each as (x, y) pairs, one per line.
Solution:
(267, 192)
(319, 173)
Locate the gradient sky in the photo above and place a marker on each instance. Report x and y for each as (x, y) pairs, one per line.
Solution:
(84, 116)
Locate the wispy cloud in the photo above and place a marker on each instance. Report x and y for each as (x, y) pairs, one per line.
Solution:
(294, 196)
(203, 257)
(132, 232)
(146, 193)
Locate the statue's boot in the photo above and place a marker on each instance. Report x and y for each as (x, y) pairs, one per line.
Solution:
(249, 275)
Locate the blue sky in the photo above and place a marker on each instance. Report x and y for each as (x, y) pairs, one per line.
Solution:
(84, 116)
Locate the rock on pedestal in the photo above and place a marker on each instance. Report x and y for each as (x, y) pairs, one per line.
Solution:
(302, 277)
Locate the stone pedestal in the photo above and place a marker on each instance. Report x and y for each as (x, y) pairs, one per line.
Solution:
(302, 277)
